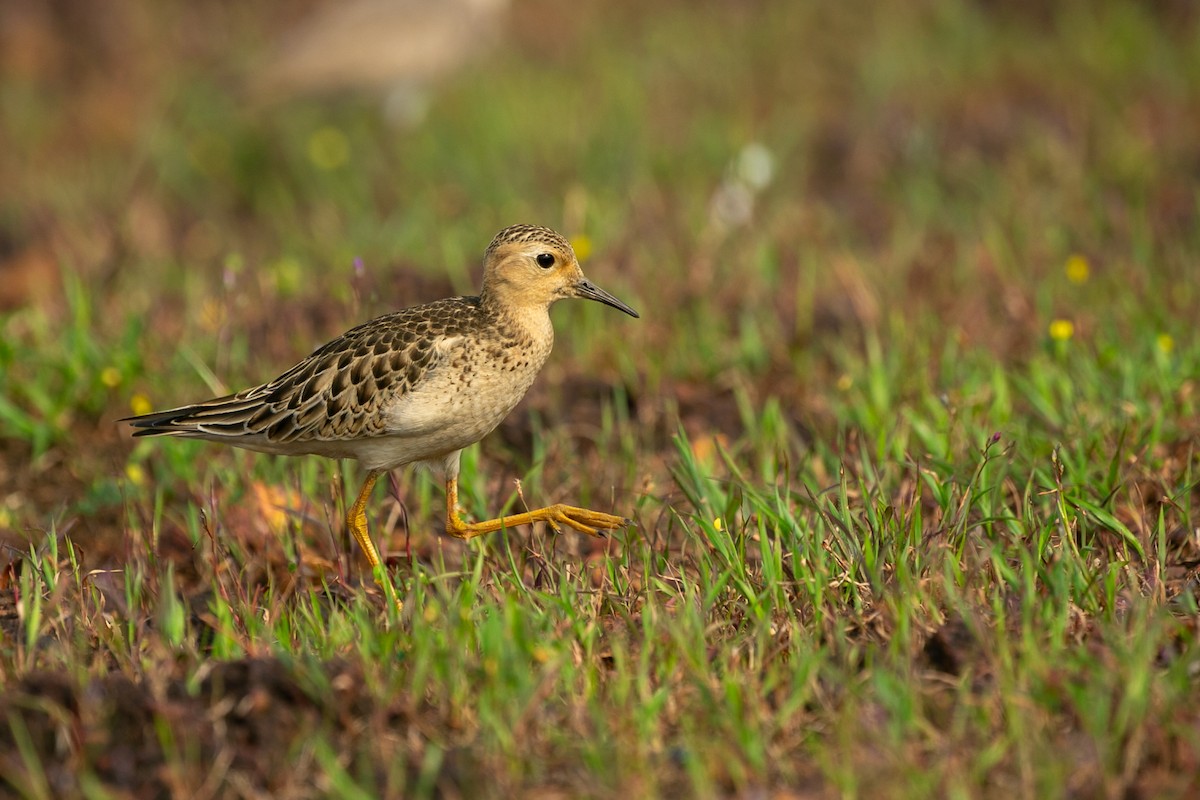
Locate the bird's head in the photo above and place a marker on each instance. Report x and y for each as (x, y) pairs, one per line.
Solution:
(527, 266)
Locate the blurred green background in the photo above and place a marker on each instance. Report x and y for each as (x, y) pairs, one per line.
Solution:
(864, 238)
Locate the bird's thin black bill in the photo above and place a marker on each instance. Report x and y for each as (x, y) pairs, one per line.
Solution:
(591, 291)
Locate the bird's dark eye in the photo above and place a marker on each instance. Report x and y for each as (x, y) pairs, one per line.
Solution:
(545, 260)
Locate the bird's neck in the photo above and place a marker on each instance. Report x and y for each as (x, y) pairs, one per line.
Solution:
(532, 321)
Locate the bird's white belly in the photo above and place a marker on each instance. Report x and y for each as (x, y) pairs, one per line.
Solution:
(455, 406)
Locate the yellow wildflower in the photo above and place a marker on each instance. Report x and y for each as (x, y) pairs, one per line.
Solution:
(328, 148)
(844, 382)
(582, 244)
(140, 404)
(1078, 269)
(1061, 330)
(110, 377)
(1165, 343)
(135, 474)
(288, 273)
(718, 524)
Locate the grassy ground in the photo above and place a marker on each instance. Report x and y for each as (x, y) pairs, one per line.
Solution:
(911, 449)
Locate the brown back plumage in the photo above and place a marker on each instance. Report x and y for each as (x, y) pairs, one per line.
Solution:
(336, 392)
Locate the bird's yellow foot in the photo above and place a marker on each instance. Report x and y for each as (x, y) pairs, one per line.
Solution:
(593, 523)
(584, 520)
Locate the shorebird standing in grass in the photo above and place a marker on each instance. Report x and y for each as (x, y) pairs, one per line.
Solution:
(415, 386)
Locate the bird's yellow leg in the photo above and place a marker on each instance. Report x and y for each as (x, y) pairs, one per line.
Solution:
(593, 523)
(356, 521)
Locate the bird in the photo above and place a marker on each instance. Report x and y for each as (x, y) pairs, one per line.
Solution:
(415, 386)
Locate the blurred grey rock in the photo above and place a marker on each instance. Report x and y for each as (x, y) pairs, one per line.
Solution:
(397, 49)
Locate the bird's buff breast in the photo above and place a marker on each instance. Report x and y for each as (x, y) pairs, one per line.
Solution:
(470, 392)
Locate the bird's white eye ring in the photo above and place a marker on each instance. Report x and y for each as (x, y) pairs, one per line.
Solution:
(545, 260)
